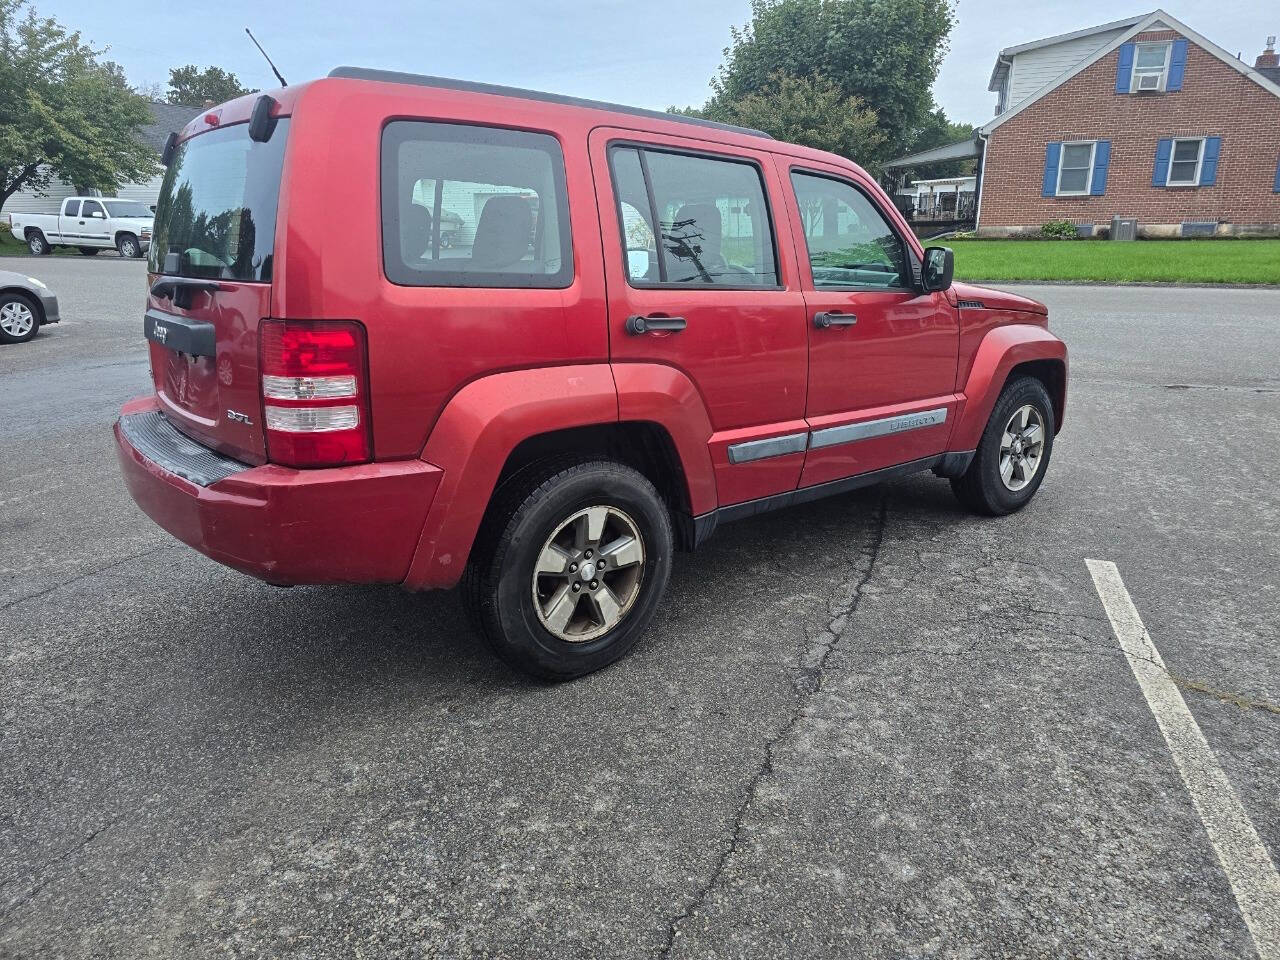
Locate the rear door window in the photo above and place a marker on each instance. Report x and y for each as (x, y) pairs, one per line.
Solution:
(850, 243)
(73, 209)
(710, 213)
(471, 206)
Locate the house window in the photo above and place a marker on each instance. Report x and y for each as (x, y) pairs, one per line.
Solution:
(1151, 67)
(1075, 168)
(1185, 161)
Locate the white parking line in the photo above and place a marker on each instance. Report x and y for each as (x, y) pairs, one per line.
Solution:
(1244, 858)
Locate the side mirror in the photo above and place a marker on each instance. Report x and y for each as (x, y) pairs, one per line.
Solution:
(939, 268)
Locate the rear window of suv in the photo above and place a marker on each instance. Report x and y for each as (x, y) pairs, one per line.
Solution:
(472, 206)
(217, 212)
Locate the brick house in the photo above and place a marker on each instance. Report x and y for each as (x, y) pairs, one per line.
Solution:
(1140, 118)
(1155, 122)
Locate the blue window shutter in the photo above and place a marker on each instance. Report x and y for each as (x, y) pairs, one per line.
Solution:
(1052, 155)
(1124, 72)
(1164, 150)
(1277, 187)
(1101, 157)
(1177, 64)
(1209, 163)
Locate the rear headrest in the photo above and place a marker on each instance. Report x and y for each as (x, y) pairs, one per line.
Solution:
(417, 231)
(503, 233)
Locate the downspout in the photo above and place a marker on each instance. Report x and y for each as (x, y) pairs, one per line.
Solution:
(982, 164)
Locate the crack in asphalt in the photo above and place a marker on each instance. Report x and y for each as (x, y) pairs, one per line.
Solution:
(43, 870)
(85, 576)
(808, 683)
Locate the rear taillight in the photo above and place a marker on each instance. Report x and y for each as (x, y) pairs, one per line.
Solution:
(315, 392)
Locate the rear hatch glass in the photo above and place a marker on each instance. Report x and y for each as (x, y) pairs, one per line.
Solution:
(215, 222)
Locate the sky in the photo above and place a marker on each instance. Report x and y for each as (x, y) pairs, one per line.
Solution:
(647, 53)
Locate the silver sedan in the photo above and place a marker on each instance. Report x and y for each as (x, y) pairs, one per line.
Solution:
(25, 304)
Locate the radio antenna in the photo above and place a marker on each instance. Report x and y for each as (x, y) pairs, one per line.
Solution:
(265, 57)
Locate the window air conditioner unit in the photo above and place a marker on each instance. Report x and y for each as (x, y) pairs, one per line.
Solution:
(1149, 81)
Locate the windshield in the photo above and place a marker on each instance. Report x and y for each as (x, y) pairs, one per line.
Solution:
(217, 212)
(127, 208)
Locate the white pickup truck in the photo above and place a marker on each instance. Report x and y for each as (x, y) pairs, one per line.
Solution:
(88, 223)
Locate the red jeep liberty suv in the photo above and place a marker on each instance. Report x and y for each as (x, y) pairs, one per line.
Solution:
(420, 331)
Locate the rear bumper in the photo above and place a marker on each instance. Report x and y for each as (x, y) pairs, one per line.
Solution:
(356, 524)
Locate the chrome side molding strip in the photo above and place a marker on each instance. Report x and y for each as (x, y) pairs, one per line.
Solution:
(750, 450)
(849, 432)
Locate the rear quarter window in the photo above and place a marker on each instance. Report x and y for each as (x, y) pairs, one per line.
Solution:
(473, 206)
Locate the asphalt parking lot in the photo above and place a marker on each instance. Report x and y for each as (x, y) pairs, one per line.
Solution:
(870, 726)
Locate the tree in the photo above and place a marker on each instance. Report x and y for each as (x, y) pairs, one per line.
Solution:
(63, 112)
(192, 86)
(938, 131)
(810, 110)
(884, 52)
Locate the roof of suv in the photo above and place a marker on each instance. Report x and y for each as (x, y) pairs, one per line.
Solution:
(471, 86)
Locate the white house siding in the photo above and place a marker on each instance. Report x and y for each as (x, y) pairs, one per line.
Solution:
(148, 192)
(1032, 69)
(50, 200)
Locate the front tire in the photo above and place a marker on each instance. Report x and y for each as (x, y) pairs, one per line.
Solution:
(1013, 454)
(19, 318)
(569, 567)
(128, 247)
(37, 244)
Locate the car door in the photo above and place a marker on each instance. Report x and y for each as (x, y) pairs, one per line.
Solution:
(882, 353)
(93, 224)
(698, 282)
(68, 223)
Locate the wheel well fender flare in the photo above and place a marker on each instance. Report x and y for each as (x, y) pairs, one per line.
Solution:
(487, 420)
(1003, 352)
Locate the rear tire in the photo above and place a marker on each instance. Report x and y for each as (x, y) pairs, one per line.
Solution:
(1013, 454)
(535, 583)
(19, 318)
(128, 247)
(90, 251)
(37, 244)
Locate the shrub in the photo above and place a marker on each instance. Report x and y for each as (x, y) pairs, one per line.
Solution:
(1058, 230)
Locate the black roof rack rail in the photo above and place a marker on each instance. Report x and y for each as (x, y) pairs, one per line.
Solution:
(444, 83)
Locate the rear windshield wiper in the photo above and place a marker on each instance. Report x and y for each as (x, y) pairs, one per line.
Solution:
(180, 289)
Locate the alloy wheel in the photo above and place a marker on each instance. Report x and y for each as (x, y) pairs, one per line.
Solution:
(1021, 447)
(16, 319)
(588, 574)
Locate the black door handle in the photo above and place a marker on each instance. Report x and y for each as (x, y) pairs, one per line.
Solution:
(833, 318)
(638, 325)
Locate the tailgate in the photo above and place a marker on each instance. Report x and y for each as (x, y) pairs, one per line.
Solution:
(204, 362)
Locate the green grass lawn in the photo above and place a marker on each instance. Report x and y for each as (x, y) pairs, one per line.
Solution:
(1101, 261)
